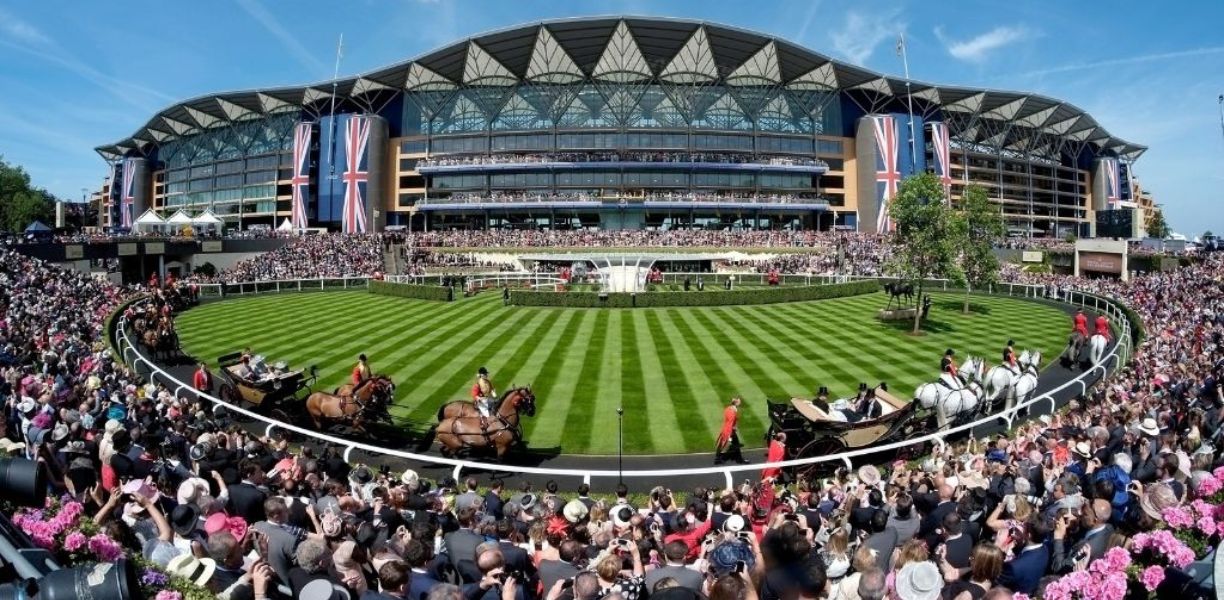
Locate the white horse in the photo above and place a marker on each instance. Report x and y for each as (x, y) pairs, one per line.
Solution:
(1096, 348)
(948, 396)
(1013, 385)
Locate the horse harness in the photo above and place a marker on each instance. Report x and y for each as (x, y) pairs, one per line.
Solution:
(514, 429)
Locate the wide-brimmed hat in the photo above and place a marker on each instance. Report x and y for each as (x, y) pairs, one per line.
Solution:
(218, 522)
(621, 515)
(1083, 449)
(919, 581)
(184, 519)
(526, 500)
(190, 490)
(972, 480)
(75, 447)
(195, 570)
(8, 446)
(575, 511)
(1149, 426)
(1156, 498)
(26, 405)
(734, 524)
(1183, 463)
(323, 589)
(725, 555)
(410, 477)
(869, 475)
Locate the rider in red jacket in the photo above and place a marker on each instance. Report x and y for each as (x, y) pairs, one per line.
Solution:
(1081, 323)
(1102, 327)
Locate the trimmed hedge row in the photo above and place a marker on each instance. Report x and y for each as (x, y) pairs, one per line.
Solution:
(693, 298)
(436, 293)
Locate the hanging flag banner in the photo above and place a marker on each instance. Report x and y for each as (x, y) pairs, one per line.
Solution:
(302, 134)
(940, 141)
(1113, 183)
(129, 193)
(888, 174)
(356, 173)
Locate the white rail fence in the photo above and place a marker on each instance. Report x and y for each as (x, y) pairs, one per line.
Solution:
(1113, 360)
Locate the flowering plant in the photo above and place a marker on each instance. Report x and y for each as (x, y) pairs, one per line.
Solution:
(1104, 579)
(1196, 525)
(1162, 546)
(59, 528)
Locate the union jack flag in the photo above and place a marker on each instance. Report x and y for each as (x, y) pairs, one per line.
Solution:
(301, 174)
(943, 155)
(356, 143)
(887, 172)
(129, 197)
(1113, 183)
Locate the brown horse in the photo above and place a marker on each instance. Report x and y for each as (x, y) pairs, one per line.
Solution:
(467, 408)
(457, 433)
(161, 342)
(370, 403)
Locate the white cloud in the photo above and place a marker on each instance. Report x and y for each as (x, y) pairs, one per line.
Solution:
(1129, 60)
(18, 30)
(863, 32)
(978, 49)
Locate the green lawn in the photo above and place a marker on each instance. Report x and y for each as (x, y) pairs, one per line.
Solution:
(672, 369)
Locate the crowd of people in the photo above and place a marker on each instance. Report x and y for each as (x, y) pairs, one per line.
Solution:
(745, 197)
(311, 256)
(1028, 513)
(656, 157)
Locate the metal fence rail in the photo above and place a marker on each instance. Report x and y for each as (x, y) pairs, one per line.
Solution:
(1113, 360)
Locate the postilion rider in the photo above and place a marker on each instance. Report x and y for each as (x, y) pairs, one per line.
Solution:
(361, 373)
(947, 366)
(1102, 327)
(1009, 358)
(1081, 323)
(483, 396)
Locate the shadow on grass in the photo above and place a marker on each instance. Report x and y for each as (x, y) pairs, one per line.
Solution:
(929, 325)
(958, 307)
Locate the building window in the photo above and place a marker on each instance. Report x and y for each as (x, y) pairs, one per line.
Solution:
(829, 147)
(413, 146)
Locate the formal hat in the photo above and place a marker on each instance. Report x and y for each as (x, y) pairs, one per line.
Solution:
(482, 371)
(525, 500)
(123, 465)
(1011, 342)
(59, 433)
(331, 524)
(322, 589)
(996, 455)
(919, 581)
(725, 555)
(734, 524)
(621, 515)
(949, 352)
(218, 522)
(362, 475)
(1183, 463)
(198, 452)
(190, 489)
(87, 421)
(869, 475)
(361, 357)
(972, 480)
(195, 570)
(75, 447)
(862, 386)
(1149, 426)
(26, 405)
(410, 477)
(1156, 498)
(184, 519)
(8, 446)
(574, 511)
(1083, 449)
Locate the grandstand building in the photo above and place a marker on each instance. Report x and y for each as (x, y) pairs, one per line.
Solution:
(616, 123)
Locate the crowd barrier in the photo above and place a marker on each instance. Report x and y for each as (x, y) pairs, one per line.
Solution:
(246, 288)
(1114, 359)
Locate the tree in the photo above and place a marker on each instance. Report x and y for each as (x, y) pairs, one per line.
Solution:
(1157, 227)
(926, 237)
(983, 229)
(1207, 233)
(21, 203)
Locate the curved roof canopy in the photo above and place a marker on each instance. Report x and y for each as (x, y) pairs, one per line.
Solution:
(635, 50)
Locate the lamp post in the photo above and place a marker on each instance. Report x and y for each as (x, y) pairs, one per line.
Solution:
(1221, 102)
(620, 444)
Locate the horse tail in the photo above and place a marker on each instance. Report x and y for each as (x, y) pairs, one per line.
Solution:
(441, 412)
(427, 440)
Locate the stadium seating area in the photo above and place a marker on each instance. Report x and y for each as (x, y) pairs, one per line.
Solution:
(1123, 488)
(648, 157)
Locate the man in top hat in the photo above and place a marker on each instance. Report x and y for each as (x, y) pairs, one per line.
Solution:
(728, 445)
(947, 365)
(1081, 323)
(483, 394)
(1009, 357)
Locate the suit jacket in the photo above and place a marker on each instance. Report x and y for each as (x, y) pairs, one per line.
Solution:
(419, 585)
(516, 558)
(1062, 555)
(552, 571)
(934, 519)
(883, 543)
(461, 545)
(493, 505)
(246, 501)
(688, 578)
(1022, 573)
(281, 548)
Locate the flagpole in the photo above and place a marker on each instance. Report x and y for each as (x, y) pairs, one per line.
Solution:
(909, 100)
(332, 113)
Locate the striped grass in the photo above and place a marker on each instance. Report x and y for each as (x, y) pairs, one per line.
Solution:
(671, 369)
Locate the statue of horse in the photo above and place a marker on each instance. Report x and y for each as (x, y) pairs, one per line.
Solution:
(457, 433)
(1013, 386)
(896, 291)
(948, 397)
(1075, 345)
(466, 408)
(369, 404)
(1096, 348)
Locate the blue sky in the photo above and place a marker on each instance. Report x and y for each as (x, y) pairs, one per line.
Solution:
(79, 74)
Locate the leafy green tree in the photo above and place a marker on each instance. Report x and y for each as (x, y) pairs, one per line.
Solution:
(20, 202)
(1207, 233)
(927, 235)
(1157, 227)
(983, 230)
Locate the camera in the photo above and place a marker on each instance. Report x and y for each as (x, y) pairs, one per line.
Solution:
(28, 571)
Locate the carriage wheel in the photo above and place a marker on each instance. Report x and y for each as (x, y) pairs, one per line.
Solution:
(819, 447)
(229, 394)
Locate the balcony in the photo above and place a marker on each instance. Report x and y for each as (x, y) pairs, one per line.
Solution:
(620, 160)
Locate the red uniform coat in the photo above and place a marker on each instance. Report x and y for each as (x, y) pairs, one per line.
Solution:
(1081, 324)
(1102, 326)
(202, 380)
(730, 419)
(777, 453)
(360, 374)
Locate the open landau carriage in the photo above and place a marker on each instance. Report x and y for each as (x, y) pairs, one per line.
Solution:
(269, 393)
(819, 428)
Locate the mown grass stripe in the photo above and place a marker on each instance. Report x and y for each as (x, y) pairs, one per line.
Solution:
(662, 421)
(540, 368)
(697, 395)
(633, 384)
(794, 378)
(585, 398)
(271, 318)
(716, 368)
(563, 380)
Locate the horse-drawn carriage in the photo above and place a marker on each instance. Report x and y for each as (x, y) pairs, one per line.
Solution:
(270, 392)
(818, 427)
